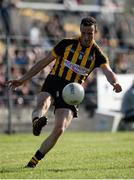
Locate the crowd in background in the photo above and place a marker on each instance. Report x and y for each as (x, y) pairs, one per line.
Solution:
(38, 37)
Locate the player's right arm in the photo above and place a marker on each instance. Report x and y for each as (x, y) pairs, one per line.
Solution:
(32, 72)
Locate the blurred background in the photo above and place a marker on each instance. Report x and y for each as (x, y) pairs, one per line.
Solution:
(30, 28)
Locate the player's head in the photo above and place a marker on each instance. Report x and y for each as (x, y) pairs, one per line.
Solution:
(89, 21)
(88, 28)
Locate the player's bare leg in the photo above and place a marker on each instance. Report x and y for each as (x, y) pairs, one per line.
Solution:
(63, 118)
(39, 118)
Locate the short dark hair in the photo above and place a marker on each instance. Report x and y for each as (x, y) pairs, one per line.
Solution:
(88, 21)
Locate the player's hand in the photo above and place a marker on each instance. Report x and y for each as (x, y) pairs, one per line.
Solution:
(117, 87)
(13, 84)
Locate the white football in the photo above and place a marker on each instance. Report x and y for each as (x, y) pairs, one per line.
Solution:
(73, 93)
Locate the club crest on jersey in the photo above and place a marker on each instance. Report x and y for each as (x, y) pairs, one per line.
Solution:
(80, 56)
(71, 50)
(90, 58)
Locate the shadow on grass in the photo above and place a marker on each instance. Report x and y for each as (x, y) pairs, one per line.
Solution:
(87, 169)
(20, 169)
(13, 169)
(67, 169)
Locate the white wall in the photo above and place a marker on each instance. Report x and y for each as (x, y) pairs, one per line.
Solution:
(107, 98)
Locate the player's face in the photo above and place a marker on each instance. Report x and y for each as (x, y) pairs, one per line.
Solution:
(87, 34)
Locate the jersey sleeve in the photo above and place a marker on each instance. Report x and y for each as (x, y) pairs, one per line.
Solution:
(101, 58)
(58, 50)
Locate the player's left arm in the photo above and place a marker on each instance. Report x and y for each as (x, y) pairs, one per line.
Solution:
(111, 77)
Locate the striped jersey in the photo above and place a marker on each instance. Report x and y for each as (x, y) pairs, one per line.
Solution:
(75, 62)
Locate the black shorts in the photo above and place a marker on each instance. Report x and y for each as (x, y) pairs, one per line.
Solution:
(54, 85)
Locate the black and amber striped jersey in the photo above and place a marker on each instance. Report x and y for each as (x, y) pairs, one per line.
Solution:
(75, 62)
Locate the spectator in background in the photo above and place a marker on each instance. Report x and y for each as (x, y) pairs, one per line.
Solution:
(90, 100)
(75, 2)
(5, 6)
(21, 58)
(4, 12)
(24, 95)
(121, 63)
(54, 29)
(35, 34)
(127, 107)
(107, 3)
(2, 79)
(122, 33)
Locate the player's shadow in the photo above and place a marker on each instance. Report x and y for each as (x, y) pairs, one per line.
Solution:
(12, 169)
(86, 169)
(67, 169)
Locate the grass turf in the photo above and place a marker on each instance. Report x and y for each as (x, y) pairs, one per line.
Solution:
(77, 155)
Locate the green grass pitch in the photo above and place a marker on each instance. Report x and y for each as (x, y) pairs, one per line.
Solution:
(77, 155)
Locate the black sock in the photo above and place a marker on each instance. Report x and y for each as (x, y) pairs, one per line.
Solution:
(35, 159)
(39, 155)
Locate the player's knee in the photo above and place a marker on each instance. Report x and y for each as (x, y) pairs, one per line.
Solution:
(59, 130)
(41, 103)
(44, 103)
(41, 99)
